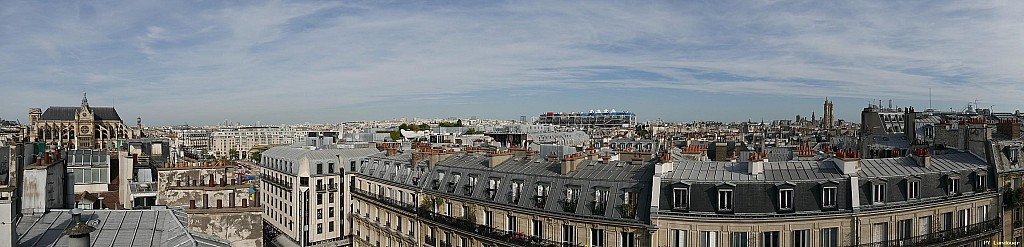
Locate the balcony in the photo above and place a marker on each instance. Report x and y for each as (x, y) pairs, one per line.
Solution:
(285, 185)
(959, 234)
(489, 234)
(332, 188)
(321, 188)
(143, 187)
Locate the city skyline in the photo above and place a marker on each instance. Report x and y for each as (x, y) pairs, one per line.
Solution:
(273, 62)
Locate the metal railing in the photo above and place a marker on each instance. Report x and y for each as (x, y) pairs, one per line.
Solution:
(143, 187)
(489, 233)
(944, 237)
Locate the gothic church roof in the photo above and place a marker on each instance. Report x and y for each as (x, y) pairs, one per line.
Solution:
(68, 113)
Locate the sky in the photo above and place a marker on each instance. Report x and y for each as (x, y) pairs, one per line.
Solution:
(206, 62)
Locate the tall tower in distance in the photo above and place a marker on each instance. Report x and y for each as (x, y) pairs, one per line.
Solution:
(828, 121)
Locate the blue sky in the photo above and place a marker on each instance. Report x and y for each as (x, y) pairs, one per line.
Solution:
(201, 62)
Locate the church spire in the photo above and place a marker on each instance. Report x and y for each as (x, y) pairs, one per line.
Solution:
(85, 101)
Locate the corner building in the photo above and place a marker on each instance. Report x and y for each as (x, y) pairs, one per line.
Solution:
(515, 197)
(301, 192)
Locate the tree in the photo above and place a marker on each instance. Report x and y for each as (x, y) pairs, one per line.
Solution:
(255, 156)
(395, 135)
(472, 131)
(423, 127)
(232, 153)
(459, 123)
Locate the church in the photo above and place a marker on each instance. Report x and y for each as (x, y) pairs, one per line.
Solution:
(85, 127)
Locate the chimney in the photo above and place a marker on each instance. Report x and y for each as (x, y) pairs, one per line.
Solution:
(231, 199)
(495, 158)
(191, 204)
(570, 162)
(923, 157)
(847, 165)
(46, 158)
(78, 232)
(206, 201)
(755, 163)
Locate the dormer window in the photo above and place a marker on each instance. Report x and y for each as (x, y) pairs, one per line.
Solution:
(785, 199)
(455, 181)
(571, 198)
(725, 200)
(828, 196)
(979, 181)
(492, 187)
(680, 198)
(542, 195)
(913, 188)
(517, 190)
(878, 192)
(629, 201)
(600, 201)
(953, 185)
(469, 186)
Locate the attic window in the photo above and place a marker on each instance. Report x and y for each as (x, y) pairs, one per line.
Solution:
(571, 198)
(492, 187)
(600, 201)
(828, 196)
(953, 184)
(517, 191)
(680, 198)
(542, 195)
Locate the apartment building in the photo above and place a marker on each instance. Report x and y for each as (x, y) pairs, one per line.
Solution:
(946, 198)
(301, 190)
(241, 139)
(436, 197)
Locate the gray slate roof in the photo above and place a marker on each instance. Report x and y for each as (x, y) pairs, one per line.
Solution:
(115, 228)
(615, 177)
(69, 113)
(717, 171)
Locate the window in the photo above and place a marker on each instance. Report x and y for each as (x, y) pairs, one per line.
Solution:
(801, 238)
(537, 228)
(330, 212)
(913, 189)
(953, 185)
(965, 217)
(597, 237)
(678, 238)
(448, 209)
(569, 234)
(979, 182)
(880, 232)
(770, 239)
(830, 237)
(330, 198)
(739, 239)
(319, 199)
(319, 213)
(628, 239)
(330, 167)
(489, 218)
(904, 229)
(708, 239)
(319, 228)
(511, 225)
(982, 214)
(724, 200)
(319, 168)
(786, 199)
(924, 225)
(947, 221)
(828, 197)
(877, 192)
(680, 198)
(330, 226)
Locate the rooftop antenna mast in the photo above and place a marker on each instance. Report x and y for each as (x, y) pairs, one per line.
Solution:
(929, 98)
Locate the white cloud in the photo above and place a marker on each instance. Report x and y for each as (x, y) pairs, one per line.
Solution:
(219, 60)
